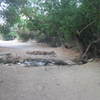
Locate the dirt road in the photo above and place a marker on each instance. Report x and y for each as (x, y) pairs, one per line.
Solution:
(48, 82)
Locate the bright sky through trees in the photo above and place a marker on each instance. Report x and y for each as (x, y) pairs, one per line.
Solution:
(3, 6)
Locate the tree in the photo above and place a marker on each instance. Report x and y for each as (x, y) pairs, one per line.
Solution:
(57, 21)
(10, 11)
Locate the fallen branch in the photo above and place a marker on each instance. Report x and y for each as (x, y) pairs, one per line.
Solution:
(79, 32)
(88, 48)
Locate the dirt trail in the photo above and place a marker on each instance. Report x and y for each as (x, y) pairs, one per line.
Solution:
(50, 82)
(21, 49)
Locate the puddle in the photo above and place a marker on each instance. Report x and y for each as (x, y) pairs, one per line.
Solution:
(43, 62)
(9, 59)
(35, 62)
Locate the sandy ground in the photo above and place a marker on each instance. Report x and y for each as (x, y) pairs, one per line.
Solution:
(50, 82)
(20, 49)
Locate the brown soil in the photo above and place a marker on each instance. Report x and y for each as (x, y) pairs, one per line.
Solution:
(78, 82)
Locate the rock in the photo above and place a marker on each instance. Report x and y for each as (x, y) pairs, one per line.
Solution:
(69, 62)
(90, 60)
(60, 62)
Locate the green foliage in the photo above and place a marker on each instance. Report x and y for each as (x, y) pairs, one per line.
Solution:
(12, 15)
(16, 3)
(88, 12)
(4, 29)
(23, 34)
(55, 18)
(56, 21)
(62, 19)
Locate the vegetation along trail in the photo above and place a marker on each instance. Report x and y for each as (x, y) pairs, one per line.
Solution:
(49, 49)
(19, 82)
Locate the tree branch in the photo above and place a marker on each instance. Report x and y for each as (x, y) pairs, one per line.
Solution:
(79, 32)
